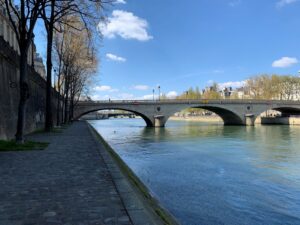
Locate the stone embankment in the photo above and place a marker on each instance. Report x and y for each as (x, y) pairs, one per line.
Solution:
(9, 95)
(75, 180)
(259, 120)
(198, 118)
(279, 120)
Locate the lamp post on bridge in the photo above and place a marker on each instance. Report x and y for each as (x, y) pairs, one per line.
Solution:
(297, 85)
(153, 93)
(158, 92)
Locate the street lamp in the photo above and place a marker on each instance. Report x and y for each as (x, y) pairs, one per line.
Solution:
(153, 93)
(158, 92)
(186, 95)
(297, 85)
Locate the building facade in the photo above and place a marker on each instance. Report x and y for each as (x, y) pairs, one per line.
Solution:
(9, 36)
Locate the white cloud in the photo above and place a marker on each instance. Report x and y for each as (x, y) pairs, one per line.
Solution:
(120, 2)
(126, 25)
(129, 96)
(116, 58)
(233, 84)
(95, 97)
(105, 88)
(218, 71)
(102, 88)
(285, 62)
(210, 82)
(172, 94)
(126, 96)
(99, 97)
(141, 87)
(149, 97)
(234, 3)
(120, 96)
(283, 3)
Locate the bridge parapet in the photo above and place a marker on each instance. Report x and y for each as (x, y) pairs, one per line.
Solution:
(196, 101)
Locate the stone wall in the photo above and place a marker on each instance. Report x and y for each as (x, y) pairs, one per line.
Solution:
(9, 95)
(281, 120)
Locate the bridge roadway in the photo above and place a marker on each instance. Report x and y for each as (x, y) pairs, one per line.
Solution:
(156, 113)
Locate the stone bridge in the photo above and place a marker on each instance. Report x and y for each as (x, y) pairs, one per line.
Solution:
(156, 113)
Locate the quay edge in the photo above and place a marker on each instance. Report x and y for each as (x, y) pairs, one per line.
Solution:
(142, 207)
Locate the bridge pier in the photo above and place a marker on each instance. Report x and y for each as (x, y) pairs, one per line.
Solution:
(250, 119)
(159, 121)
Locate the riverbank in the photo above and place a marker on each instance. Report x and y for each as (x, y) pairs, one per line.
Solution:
(131, 188)
(216, 119)
(292, 121)
(73, 181)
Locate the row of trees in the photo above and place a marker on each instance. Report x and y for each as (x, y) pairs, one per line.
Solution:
(76, 63)
(268, 87)
(71, 24)
(273, 87)
(209, 93)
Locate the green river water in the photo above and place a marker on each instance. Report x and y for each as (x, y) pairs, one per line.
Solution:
(206, 173)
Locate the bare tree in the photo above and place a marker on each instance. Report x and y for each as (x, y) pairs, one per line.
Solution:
(23, 18)
(274, 87)
(77, 61)
(53, 15)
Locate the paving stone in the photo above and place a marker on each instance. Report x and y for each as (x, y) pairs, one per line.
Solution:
(72, 182)
(67, 183)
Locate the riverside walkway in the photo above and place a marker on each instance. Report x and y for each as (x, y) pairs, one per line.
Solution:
(71, 182)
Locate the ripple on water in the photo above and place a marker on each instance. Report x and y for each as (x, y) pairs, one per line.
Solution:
(211, 174)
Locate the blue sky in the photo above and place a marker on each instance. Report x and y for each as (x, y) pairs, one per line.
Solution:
(192, 43)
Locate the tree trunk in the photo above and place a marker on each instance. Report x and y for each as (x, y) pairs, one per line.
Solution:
(24, 94)
(66, 102)
(49, 118)
(58, 108)
(71, 109)
(58, 119)
(62, 109)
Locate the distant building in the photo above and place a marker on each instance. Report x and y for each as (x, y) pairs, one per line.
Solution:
(9, 36)
(226, 92)
(243, 93)
(39, 66)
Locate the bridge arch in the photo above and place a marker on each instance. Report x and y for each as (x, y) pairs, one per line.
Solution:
(288, 110)
(285, 110)
(229, 117)
(147, 120)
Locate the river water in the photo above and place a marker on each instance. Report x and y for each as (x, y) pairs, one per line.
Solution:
(206, 173)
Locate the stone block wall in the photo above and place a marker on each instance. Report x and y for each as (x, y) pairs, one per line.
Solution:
(9, 95)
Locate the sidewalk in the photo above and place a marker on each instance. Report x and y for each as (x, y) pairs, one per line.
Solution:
(67, 183)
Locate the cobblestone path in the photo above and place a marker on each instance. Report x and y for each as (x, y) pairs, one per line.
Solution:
(67, 183)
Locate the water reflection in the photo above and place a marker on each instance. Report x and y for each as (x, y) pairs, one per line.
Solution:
(157, 134)
(211, 174)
